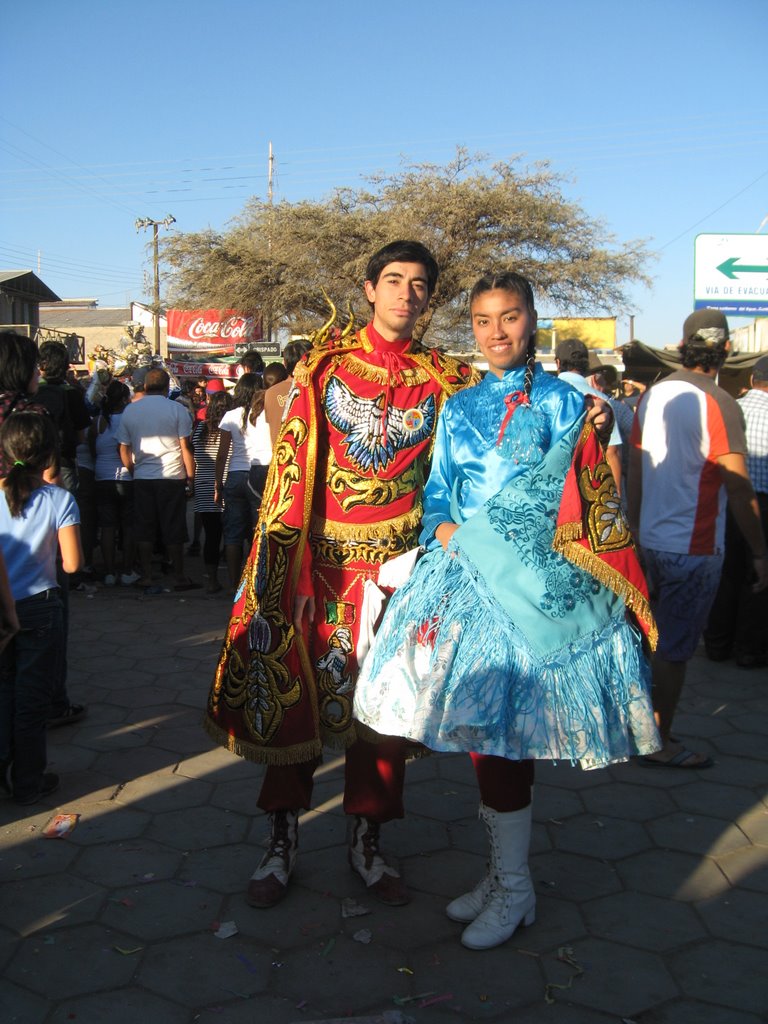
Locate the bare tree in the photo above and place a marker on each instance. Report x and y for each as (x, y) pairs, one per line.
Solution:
(472, 215)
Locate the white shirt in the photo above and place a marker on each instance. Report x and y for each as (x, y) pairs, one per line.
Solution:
(152, 427)
(251, 445)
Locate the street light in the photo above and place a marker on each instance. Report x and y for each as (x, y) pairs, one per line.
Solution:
(147, 222)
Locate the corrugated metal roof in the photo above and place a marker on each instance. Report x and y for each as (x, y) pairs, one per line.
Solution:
(26, 282)
(81, 319)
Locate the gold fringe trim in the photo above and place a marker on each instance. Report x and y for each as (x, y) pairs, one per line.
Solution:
(567, 532)
(360, 532)
(613, 580)
(409, 377)
(297, 754)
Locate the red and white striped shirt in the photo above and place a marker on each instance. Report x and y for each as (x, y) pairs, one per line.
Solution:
(683, 425)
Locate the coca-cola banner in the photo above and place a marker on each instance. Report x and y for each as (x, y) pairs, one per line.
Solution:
(220, 332)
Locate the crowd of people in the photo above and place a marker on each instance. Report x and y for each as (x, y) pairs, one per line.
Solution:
(512, 565)
(110, 464)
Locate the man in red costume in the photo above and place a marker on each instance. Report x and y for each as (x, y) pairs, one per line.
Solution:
(343, 497)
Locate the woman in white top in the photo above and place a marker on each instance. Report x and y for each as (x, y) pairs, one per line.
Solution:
(244, 438)
(114, 487)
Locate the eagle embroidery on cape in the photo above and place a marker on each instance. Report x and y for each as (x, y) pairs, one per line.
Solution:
(371, 443)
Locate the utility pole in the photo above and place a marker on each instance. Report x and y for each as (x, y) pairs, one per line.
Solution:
(147, 222)
(270, 173)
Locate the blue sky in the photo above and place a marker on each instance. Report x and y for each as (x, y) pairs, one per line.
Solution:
(655, 113)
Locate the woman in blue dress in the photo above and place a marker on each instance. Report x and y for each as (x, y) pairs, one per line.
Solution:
(512, 639)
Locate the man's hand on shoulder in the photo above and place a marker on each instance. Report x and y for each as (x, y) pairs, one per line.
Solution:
(600, 415)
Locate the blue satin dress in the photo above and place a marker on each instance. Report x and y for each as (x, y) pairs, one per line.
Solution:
(499, 645)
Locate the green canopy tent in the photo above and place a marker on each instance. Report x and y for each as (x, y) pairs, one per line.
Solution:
(647, 365)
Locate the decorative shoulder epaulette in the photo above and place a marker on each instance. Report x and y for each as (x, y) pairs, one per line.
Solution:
(452, 374)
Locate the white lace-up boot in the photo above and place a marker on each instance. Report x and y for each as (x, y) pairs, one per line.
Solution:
(466, 907)
(511, 899)
(269, 882)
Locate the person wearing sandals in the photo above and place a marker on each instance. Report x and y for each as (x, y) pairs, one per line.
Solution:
(688, 453)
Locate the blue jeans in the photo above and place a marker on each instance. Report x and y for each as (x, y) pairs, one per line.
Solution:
(29, 668)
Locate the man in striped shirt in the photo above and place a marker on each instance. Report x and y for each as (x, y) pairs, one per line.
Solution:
(688, 455)
(737, 622)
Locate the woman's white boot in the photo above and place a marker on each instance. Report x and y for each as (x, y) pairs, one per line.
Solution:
(511, 899)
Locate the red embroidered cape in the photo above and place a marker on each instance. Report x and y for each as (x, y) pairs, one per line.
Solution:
(343, 495)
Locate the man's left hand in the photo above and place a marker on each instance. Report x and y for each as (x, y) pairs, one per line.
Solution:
(600, 415)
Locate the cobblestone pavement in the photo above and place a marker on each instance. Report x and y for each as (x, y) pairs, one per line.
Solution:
(652, 884)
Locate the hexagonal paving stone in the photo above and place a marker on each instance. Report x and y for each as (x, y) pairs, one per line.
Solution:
(605, 838)
(126, 678)
(145, 696)
(66, 758)
(341, 976)
(125, 1006)
(446, 873)
(79, 960)
(412, 838)
(553, 802)
(18, 1004)
(198, 828)
(693, 727)
(638, 919)
(696, 834)
(738, 771)
(557, 921)
(667, 873)
(622, 800)
(57, 901)
(34, 857)
(125, 765)
(267, 1009)
(706, 797)
(107, 822)
(436, 798)
(725, 974)
(186, 909)
(754, 824)
(321, 830)
(240, 795)
(201, 970)
(160, 793)
(747, 867)
(693, 1011)
(568, 776)
(487, 985)
(128, 862)
(300, 921)
(627, 983)
(219, 766)
(456, 767)
(737, 916)
(572, 877)
(104, 737)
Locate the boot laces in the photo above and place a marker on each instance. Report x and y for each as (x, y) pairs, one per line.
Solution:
(280, 840)
(368, 837)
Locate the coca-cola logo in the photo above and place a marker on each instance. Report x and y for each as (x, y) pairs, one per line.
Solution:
(232, 327)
